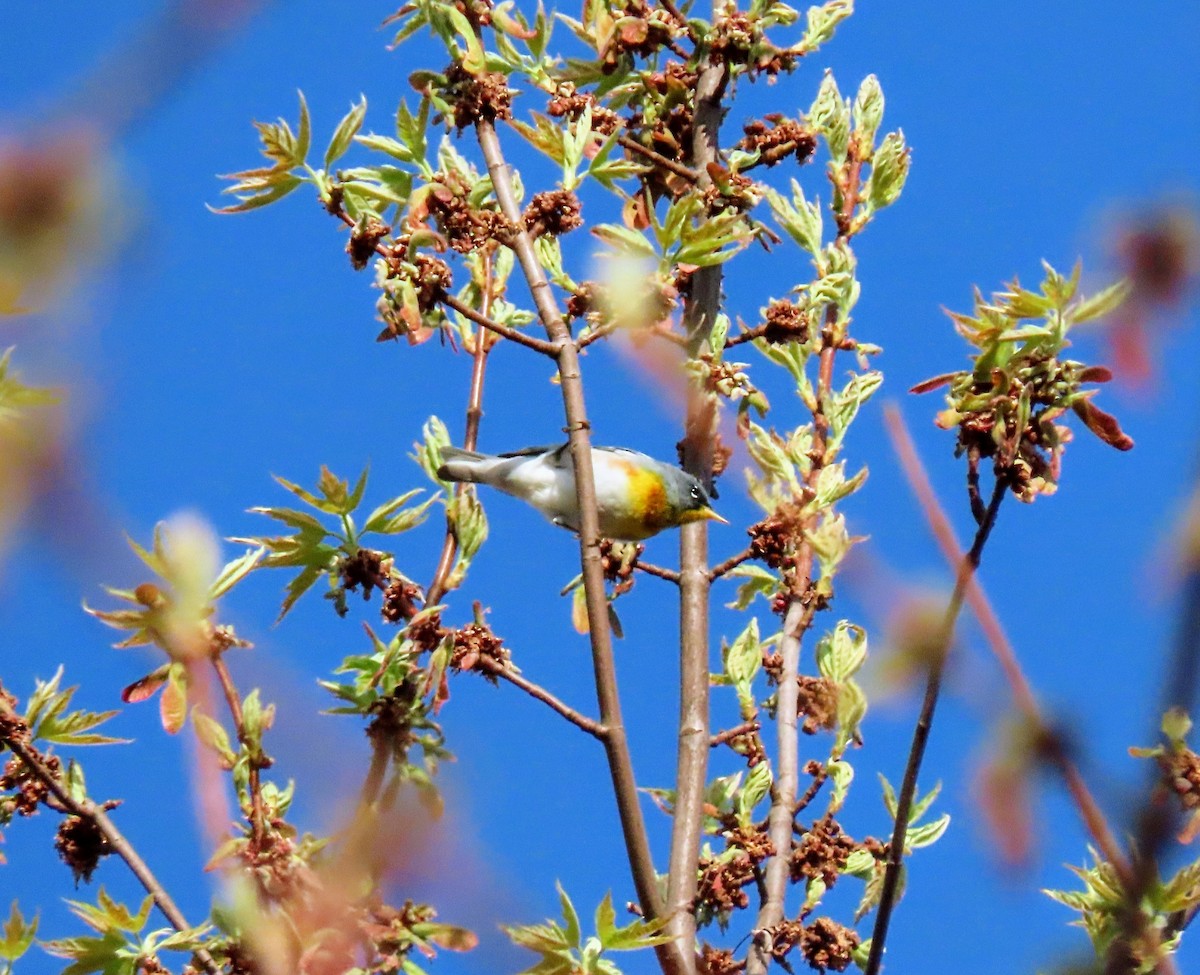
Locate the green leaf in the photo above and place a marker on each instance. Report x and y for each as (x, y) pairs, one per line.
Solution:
(173, 703)
(868, 111)
(234, 572)
(758, 784)
(800, 218)
(631, 243)
(18, 934)
(211, 733)
(841, 653)
(822, 22)
(926, 834)
(15, 395)
(841, 774)
(889, 170)
(606, 917)
(346, 131)
(276, 189)
(744, 658)
(1100, 304)
(570, 915)
(759, 582)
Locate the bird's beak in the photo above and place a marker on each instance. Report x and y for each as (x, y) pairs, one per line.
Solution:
(702, 514)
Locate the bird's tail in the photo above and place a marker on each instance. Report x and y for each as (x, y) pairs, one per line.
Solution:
(464, 465)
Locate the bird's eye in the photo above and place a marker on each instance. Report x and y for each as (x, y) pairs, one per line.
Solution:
(697, 494)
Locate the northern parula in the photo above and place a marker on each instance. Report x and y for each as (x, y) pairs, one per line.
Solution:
(636, 495)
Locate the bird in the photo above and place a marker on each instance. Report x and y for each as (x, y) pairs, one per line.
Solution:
(636, 495)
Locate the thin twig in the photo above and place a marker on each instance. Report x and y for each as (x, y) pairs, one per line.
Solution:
(723, 568)
(745, 728)
(813, 788)
(701, 308)
(678, 168)
(802, 607)
(529, 341)
(536, 691)
(87, 809)
(747, 336)
(933, 687)
(786, 784)
(616, 745)
(918, 480)
(469, 313)
(437, 587)
(253, 782)
(601, 331)
(657, 570)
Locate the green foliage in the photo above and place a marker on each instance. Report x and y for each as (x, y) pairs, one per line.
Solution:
(49, 720)
(1006, 406)
(1149, 933)
(319, 549)
(116, 948)
(15, 396)
(17, 936)
(564, 950)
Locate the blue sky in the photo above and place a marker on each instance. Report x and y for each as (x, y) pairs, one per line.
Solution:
(206, 353)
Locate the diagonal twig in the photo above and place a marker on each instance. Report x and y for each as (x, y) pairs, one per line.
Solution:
(933, 687)
(87, 809)
(616, 745)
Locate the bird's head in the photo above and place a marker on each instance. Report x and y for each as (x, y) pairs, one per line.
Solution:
(689, 499)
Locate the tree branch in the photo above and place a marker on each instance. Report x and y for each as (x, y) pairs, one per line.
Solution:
(253, 783)
(536, 691)
(87, 809)
(730, 563)
(670, 575)
(437, 588)
(678, 168)
(529, 341)
(745, 728)
(918, 480)
(701, 308)
(616, 745)
(933, 686)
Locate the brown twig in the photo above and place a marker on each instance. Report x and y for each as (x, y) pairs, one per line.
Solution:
(595, 335)
(802, 607)
(933, 687)
(529, 341)
(918, 480)
(747, 336)
(701, 307)
(253, 783)
(616, 745)
(786, 784)
(536, 691)
(678, 168)
(813, 788)
(87, 809)
(479, 318)
(437, 587)
(723, 568)
(657, 570)
(745, 728)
